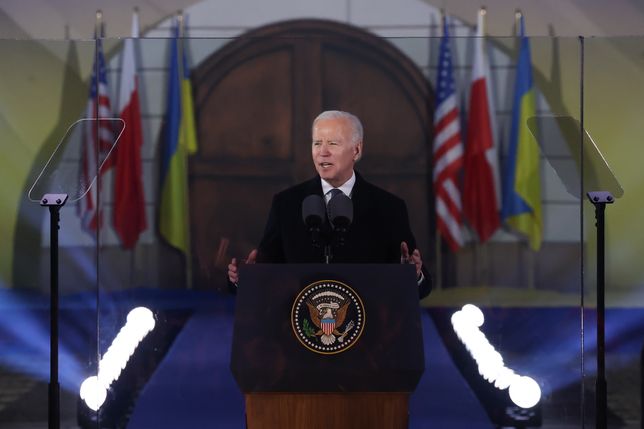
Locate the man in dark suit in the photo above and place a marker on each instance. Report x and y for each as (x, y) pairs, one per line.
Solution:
(380, 231)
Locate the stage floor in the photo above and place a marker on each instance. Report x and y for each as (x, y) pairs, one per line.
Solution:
(191, 384)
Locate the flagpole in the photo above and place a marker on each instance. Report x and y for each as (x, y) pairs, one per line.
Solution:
(135, 11)
(99, 23)
(483, 13)
(476, 244)
(517, 31)
(95, 112)
(438, 246)
(530, 261)
(485, 260)
(98, 33)
(180, 53)
(443, 22)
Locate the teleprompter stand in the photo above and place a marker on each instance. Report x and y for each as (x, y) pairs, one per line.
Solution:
(564, 135)
(60, 182)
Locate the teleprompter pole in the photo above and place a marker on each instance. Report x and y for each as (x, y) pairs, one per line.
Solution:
(54, 202)
(599, 199)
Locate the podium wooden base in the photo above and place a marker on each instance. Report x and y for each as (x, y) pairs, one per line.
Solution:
(386, 410)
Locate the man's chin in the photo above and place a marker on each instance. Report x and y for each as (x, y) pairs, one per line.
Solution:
(326, 175)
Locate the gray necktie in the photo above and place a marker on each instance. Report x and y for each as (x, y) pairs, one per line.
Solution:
(332, 193)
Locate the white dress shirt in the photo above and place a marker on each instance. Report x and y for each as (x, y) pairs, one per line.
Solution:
(346, 187)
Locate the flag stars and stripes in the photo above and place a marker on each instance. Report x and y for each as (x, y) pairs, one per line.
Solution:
(448, 150)
(97, 141)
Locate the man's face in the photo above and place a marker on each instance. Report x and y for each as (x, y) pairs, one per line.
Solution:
(332, 150)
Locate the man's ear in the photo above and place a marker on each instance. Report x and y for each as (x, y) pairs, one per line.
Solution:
(358, 152)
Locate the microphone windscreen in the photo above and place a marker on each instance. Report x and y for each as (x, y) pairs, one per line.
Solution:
(313, 211)
(341, 210)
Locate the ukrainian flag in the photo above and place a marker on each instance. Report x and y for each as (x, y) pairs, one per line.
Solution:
(179, 140)
(521, 207)
(188, 127)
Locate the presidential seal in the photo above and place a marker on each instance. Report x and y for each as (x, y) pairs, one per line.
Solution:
(328, 317)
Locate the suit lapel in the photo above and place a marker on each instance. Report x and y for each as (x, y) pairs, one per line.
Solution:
(361, 199)
(313, 186)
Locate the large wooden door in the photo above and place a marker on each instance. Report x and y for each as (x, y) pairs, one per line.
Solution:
(255, 101)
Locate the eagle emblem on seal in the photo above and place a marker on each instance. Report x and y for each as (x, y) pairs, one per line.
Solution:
(328, 317)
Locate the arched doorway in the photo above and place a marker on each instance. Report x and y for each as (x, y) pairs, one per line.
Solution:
(255, 100)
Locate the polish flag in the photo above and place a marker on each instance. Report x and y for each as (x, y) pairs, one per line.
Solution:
(481, 196)
(129, 199)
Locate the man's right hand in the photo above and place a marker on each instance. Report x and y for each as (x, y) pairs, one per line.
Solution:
(233, 271)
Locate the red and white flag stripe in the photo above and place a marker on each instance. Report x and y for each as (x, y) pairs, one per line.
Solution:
(448, 151)
(98, 139)
(129, 200)
(481, 196)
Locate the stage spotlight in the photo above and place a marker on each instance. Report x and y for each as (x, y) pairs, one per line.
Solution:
(140, 321)
(93, 393)
(523, 391)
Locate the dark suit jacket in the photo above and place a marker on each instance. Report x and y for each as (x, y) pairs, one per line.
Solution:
(380, 224)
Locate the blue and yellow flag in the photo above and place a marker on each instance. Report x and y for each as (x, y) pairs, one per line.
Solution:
(179, 140)
(188, 127)
(521, 179)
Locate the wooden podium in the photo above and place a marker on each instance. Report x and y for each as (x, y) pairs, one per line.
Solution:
(288, 384)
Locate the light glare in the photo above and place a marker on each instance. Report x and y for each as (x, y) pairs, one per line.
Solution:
(93, 390)
(523, 391)
(93, 393)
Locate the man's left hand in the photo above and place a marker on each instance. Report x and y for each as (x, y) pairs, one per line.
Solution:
(413, 258)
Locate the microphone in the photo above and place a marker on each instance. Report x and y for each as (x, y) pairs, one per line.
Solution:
(314, 215)
(340, 214)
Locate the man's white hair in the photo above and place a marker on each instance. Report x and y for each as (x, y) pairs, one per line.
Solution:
(357, 133)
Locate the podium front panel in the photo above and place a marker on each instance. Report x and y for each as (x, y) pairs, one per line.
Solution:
(267, 355)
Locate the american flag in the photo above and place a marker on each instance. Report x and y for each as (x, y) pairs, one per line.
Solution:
(448, 150)
(98, 138)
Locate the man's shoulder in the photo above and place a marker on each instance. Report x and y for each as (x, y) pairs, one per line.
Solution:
(379, 193)
(300, 190)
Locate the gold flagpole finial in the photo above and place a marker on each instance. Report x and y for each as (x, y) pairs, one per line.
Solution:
(98, 28)
(518, 15)
(180, 22)
(136, 32)
(481, 21)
